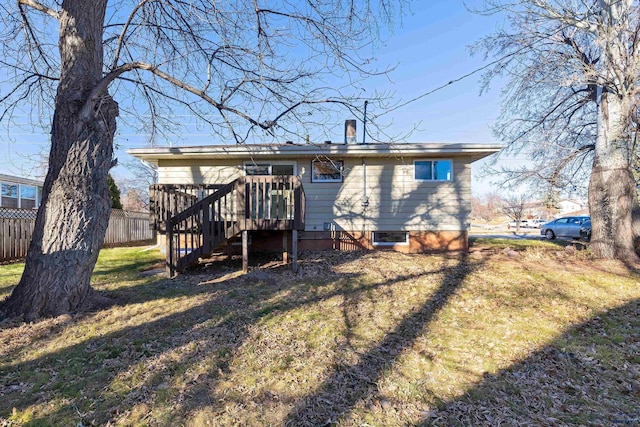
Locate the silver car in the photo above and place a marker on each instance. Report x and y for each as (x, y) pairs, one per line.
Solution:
(568, 226)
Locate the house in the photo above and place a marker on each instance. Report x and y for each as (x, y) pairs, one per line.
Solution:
(16, 192)
(406, 197)
(564, 207)
(569, 206)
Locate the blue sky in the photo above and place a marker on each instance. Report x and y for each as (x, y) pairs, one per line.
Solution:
(428, 49)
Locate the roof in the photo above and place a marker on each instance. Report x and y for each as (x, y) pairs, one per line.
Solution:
(18, 180)
(475, 151)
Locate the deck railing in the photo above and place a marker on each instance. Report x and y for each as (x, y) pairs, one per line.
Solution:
(248, 203)
(272, 203)
(167, 200)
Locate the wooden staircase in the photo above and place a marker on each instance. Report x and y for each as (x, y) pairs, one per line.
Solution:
(249, 203)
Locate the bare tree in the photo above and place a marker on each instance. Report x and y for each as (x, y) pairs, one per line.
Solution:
(513, 207)
(571, 103)
(238, 67)
(143, 176)
(487, 208)
(132, 201)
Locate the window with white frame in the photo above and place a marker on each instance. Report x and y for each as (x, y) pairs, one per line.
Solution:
(13, 195)
(327, 170)
(258, 169)
(270, 168)
(27, 196)
(433, 170)
(390, 238)
(9, 195)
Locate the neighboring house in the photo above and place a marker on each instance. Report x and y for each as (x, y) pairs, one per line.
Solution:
(409, 197)
(537, 209)
(18, 192)
(567, 206)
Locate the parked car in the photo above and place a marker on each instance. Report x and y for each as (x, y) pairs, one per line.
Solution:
(536, 223)
(568, 226)
(527, 223)
(585, 230)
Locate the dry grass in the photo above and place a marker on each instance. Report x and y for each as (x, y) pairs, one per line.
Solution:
(527, 335)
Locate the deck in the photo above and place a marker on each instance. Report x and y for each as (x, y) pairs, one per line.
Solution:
(198, 219)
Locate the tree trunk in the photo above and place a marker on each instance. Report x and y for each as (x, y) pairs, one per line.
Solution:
(74, 213)
(612, 189)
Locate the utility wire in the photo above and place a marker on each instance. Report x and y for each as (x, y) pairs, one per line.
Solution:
(477, 70)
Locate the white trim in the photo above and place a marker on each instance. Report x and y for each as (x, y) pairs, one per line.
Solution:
(405, 243)
(450, 178)
(264, 151)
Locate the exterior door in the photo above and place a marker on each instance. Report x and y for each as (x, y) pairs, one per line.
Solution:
(272, 201)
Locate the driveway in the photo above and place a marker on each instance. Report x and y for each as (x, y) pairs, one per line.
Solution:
(506, 235)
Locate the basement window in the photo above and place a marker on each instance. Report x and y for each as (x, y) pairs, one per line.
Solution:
(390, 238)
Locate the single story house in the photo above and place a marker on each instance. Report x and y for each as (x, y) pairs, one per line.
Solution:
(403, 196)
(16, 192)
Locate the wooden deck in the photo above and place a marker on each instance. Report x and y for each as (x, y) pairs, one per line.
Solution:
(195, 227)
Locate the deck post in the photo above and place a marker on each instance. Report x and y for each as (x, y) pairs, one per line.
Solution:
(169, 250)
(294, 250)
(245, 251)
(285, 247)
(229, 249)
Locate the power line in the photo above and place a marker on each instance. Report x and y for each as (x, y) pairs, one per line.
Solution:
(456, 80)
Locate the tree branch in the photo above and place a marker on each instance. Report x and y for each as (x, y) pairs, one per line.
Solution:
(124, 31)
(40, 7)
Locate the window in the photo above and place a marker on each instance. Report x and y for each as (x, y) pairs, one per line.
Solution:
(282, 170)
(432, 170)
(268, 199)
(27, 197)
(390, 238)
(9, 194)
(326, 171)
(271, 168)
(258, 169)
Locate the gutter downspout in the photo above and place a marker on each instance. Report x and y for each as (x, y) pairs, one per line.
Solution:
(365, 199)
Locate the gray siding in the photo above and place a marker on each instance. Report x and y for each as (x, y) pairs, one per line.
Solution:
(198, 171)
(396, 200)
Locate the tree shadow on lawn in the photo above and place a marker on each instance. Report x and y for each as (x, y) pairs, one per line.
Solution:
(338, 395)
(93, 377)
(588, 376)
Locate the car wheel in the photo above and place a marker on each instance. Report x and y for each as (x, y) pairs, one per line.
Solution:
(549, 235)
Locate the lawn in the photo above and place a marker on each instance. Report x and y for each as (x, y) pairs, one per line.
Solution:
(512, 333)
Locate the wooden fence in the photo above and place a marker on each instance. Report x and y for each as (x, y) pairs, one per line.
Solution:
(127, 227)
(16, 227)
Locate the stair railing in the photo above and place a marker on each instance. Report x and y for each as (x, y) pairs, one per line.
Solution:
(248, 203)
(197, 230)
